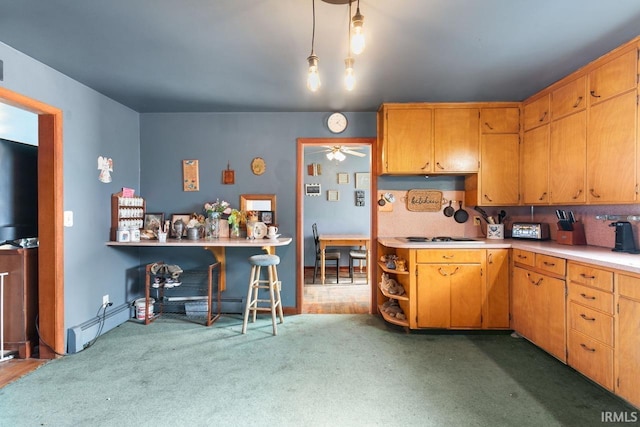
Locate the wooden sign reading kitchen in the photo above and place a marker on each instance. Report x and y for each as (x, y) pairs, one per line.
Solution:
(424, 200)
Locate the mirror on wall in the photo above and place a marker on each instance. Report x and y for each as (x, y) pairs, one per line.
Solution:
(264, 204)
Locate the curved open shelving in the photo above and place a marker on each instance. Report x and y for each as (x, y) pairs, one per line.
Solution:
(390, 270)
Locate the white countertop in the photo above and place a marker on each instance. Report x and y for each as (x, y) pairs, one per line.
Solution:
(603, 257)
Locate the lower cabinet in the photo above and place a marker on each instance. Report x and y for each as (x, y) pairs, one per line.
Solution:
(538, 303)
(627, 341)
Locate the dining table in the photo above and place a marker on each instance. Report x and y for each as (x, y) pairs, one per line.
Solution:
(217, 247)
(332, 240)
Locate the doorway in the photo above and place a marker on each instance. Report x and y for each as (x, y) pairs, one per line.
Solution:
(50, 220)
(334, 299)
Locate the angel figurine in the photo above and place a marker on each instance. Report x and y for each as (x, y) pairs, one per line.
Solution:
(105, 165)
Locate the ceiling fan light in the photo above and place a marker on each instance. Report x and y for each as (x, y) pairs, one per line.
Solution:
(339, 156)
(330, 155)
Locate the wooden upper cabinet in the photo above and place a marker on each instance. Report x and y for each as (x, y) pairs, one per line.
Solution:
(613, 77)
(500, 120)
(611, 150)
(499, 170)
(536, 113)
(570, 98)
(405, 136)
(568, 159)
(456, 140)
(535, 166)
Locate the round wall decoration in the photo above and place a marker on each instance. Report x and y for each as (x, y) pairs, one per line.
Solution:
(258, 166)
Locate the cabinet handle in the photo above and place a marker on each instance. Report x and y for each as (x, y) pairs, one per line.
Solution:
(448, 256)
(522, 256)
(578, 101)
(590, 319)
(587, 277)
(490, 258)
(426, 165)
(549, 264)
(544, 115)
(593, 93)
(594, 194)
(488, 198)
(585, 296)
(592, 350)
(439, 165)
(533, 282)
(577, 194)
(444, 273)
(544, 195)
(488, 125)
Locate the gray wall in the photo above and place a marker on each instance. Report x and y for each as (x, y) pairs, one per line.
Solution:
(215, 139)
(93, 125)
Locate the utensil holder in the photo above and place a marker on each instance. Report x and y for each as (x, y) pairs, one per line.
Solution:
(572, 237)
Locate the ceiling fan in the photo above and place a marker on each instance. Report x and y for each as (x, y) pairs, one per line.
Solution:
(338, 152)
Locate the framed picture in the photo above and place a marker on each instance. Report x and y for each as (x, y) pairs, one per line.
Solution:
(185, 218)
(312, 189)
(333, 195)
(359, 197)
(362, 180)
(343, 178)
(153, 221)
(266, 217)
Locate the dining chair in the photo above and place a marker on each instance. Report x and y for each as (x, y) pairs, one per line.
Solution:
(356, 254)
(333, 255)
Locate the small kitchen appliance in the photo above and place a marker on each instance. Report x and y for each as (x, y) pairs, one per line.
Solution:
(530, 230)
(625, 241)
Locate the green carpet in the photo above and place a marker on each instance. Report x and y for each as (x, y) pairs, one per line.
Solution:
(321, 370)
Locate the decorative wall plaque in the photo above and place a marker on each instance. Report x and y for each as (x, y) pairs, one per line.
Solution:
(424, 200)
(190, 175)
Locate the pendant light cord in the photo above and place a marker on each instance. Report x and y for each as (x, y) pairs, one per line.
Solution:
(313, 32)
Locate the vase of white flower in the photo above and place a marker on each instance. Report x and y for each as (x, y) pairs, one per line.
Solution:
(212, 226)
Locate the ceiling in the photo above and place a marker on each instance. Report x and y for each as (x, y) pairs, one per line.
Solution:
(250, 55)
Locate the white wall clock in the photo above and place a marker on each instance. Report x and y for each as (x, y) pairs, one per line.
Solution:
(337, 122)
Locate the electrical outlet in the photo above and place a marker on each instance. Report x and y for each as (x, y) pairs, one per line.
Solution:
(476, 220)
(68, 218)
(105, 299)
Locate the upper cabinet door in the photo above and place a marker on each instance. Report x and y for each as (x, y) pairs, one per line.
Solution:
(569, 98)
(500, 120)
(614, 77)
(536, 113)
(456, 140)
(535, 166)
(406, 140)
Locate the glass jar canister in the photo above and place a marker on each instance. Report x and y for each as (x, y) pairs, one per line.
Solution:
(212, 226)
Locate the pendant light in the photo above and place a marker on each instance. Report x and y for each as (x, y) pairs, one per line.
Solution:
(357, 40)
(313, 77)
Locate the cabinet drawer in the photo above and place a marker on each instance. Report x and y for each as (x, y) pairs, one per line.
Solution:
(448, 256)
(592, 358)
(592, 323)
(551, 264)
(591, 276)
(629, 286)
(591, 298)
(524, 257)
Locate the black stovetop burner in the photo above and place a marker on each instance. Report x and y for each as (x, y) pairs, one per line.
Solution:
(420, 239)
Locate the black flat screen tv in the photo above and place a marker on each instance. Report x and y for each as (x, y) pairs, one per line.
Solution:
(18, 190)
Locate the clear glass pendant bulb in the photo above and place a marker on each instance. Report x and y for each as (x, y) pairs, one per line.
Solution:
(313, 78)
(357, 38)
(349, 76)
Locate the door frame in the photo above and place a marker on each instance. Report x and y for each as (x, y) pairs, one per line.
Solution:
(50, 222)
(302, 143)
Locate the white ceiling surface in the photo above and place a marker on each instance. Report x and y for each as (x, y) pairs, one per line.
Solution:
(250, 55)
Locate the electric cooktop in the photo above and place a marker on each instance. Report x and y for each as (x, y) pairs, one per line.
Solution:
(441, 239)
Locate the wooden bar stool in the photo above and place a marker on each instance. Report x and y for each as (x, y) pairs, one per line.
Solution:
(256, 283)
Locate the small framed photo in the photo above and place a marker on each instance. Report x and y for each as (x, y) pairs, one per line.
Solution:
(343, 178)
(312, 189)
(362, 180)
(153, 221)
(359, 197)
(266, 217)
(333, 195)
(185, 218)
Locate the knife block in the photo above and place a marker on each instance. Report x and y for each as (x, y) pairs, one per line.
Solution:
(572, 237)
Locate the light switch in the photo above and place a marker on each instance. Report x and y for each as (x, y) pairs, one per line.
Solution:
(68, 218)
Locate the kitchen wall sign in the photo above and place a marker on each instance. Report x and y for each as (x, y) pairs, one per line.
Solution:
(190, 175)
(424, 200)
(228, 175)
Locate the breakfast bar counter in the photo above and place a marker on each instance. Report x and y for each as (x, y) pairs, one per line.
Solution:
(216, 246)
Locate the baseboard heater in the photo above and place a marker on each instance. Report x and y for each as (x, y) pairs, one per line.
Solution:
(80, 335)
